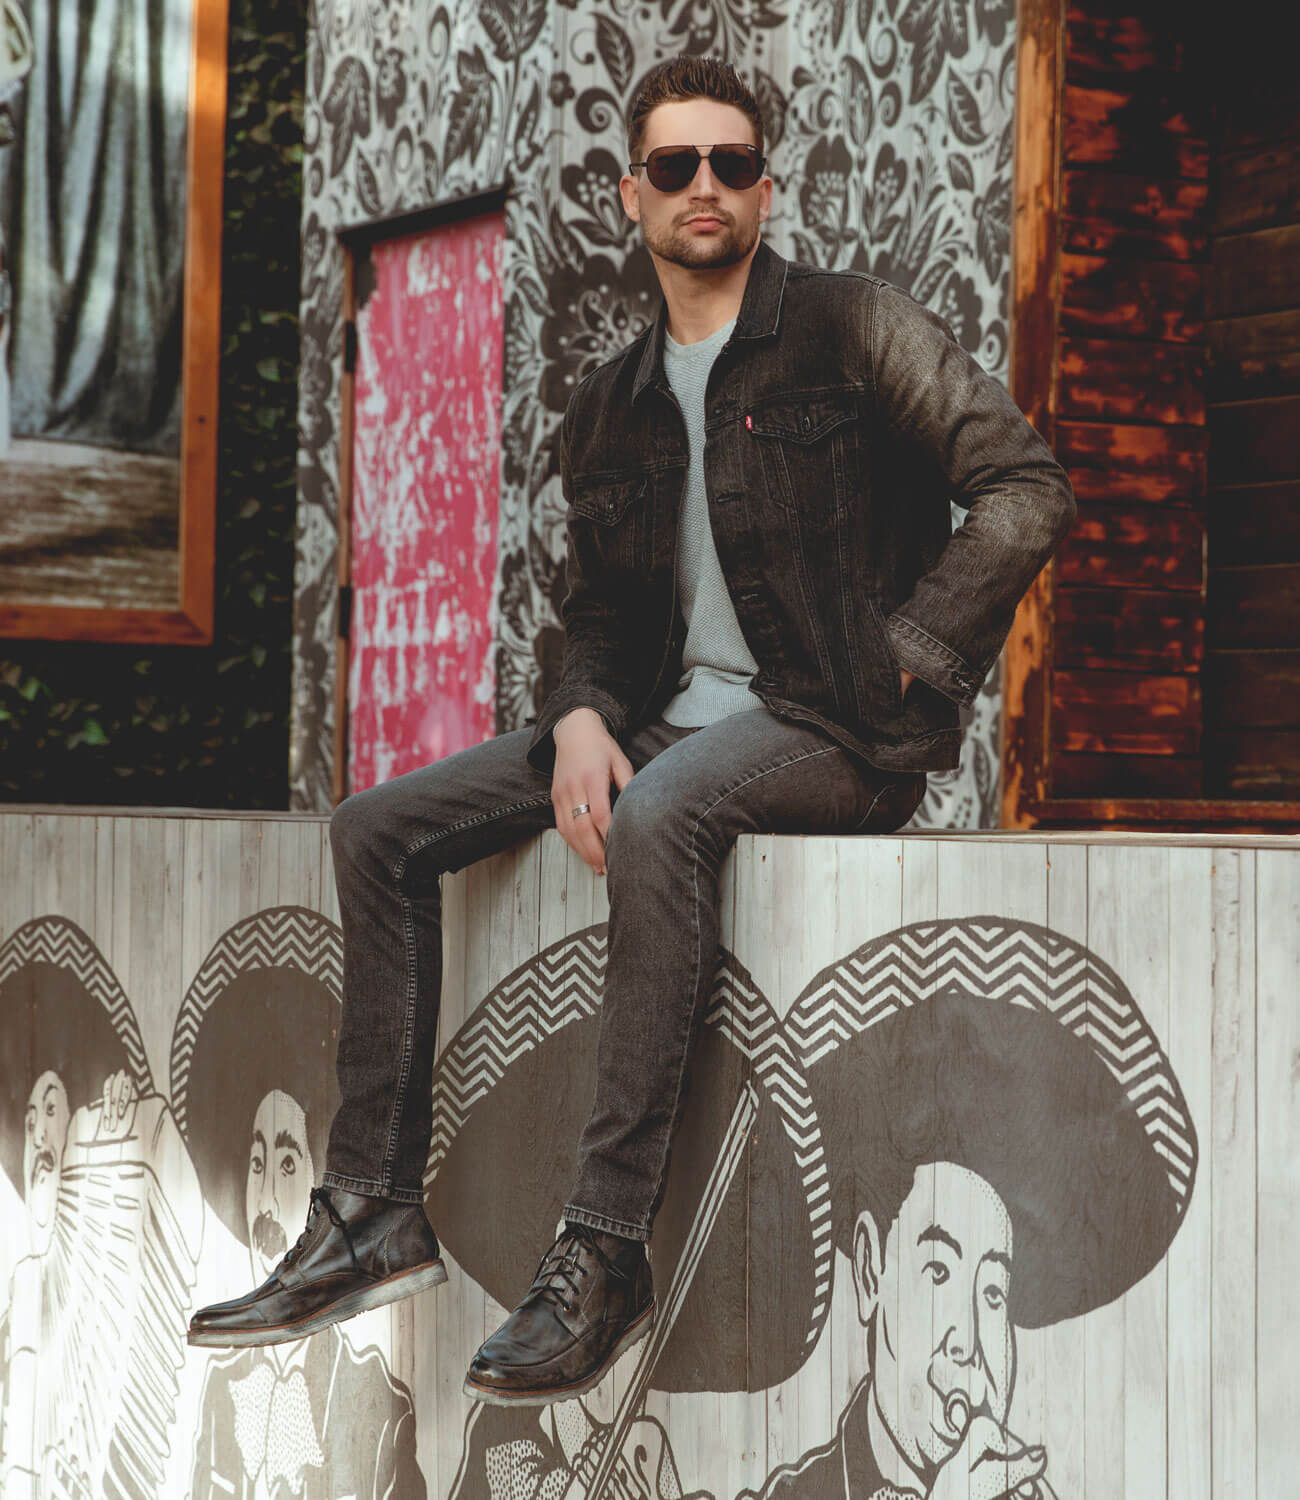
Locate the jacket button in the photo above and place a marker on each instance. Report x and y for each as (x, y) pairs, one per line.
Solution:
(805, 421)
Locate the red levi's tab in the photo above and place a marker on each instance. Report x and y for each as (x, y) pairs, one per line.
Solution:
(749, 421)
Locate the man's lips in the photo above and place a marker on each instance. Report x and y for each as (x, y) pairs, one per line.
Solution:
(705, 221)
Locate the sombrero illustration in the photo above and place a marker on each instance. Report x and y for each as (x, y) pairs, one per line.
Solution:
(102, 1294)
(61, 1009)
(262, 1013)
(1011, 1050)
(745, 1219)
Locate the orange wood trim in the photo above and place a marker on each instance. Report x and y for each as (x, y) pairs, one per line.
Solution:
(1230, 814)
(191, 623)
(201, 318)
(1035, 303)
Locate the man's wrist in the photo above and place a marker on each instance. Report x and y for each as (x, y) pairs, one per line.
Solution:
(582, 708)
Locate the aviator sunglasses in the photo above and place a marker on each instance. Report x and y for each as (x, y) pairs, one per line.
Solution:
(671, 168)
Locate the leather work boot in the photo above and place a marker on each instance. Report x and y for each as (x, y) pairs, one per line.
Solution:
(591, 1299)
(356, 1253)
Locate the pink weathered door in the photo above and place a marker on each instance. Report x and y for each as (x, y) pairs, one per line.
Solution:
(426, 446)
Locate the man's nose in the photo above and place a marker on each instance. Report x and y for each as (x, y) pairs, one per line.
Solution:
(959, 1345)
(705, 182)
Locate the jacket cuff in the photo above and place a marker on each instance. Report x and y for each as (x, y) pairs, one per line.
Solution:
(541, 748)
(929, 659)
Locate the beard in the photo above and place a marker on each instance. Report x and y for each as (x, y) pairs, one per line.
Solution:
(269, 1238)
(683, 246)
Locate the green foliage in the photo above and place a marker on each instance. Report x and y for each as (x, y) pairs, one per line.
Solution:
(188, 726)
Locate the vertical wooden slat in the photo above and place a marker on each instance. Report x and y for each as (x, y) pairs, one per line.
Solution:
(1032, 360)
(1191, 1056)
(1105, 1328)
(441, 1359)
(1067, 1416)
(1231, 1153)
(1277, 1306)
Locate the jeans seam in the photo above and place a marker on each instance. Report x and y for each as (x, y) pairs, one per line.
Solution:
(412, 986)
(421, 844)
(866, 816)
(594, 1220)
(370, 1189)
(408, 1039)
(695, 922)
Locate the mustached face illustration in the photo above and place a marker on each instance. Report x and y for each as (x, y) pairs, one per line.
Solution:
(45, 1133)
(939, 1299)
(280, 1178)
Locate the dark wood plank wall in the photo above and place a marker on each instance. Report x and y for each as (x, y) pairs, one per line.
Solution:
(1252, 666)
(1131, 407)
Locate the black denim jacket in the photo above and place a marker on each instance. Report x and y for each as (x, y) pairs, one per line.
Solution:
(841, 416)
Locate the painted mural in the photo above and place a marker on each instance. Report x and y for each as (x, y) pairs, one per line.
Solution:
(130, 1199)
(965, 1201)
(889, 130)
(425, 475)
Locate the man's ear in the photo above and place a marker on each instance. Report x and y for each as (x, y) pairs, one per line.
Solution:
(868, 1263)
(627, 188)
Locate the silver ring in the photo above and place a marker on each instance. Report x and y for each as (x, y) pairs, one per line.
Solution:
(582, 807)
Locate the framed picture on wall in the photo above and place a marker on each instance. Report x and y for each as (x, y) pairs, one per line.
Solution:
(112, 129)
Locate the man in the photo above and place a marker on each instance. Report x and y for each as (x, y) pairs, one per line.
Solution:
(993, 1164)
(251, 1078)
(769, 628)
(89, 1358)
(311, 1418)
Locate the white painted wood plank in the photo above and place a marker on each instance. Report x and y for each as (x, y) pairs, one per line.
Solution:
(1278, 1050)
(1233, 1179)
(1066, 1418)
(1191, 1054)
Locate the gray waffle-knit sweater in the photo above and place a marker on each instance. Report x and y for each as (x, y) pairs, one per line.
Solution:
(716, 662)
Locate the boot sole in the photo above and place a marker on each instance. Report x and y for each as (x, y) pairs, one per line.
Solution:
(364, 1299)
(493, 1396)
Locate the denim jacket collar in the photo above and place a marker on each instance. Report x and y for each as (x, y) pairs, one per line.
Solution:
(759, 315)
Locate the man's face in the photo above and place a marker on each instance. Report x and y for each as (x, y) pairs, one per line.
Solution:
(941, 1311)
(665, 217)
(280, 1180)
(44, 1137)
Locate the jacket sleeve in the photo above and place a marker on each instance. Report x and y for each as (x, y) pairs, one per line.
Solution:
(598, 652)
(961, 426)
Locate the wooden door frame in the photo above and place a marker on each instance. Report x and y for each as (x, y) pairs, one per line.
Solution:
(356, 241)
(1025, 736)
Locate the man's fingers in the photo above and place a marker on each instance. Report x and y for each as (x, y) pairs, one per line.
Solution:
(995, 1478)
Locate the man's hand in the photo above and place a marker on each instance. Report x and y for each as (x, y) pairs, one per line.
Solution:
(587, 759)
(119, 1096)
(906, 678)
(991, 1464)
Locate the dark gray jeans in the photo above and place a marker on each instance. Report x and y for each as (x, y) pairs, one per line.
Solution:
(672, 826)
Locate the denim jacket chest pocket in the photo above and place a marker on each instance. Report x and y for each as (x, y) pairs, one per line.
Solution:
(808, 447)
(614, 500)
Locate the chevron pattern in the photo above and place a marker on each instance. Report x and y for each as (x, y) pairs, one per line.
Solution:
(1019, 963)
(564, 983)
(281, 937)
(55, 940)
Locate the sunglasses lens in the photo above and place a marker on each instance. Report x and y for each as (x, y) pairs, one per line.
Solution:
(734, 166)
(671, 170)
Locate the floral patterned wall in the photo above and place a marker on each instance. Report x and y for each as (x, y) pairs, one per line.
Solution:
(889, 132)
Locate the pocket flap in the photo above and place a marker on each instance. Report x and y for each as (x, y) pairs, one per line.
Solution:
(805, 418)
(606, 497)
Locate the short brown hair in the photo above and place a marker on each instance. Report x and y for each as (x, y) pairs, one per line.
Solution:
(687, 77)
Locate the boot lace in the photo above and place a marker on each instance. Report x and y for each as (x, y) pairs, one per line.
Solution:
(561, 1272)
(320, 1198)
